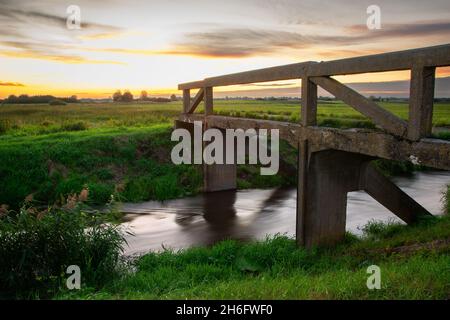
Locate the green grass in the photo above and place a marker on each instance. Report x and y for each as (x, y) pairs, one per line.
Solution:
(332, 114)
(122, 148)
(131, 163)
(414, 264)
(42, 119)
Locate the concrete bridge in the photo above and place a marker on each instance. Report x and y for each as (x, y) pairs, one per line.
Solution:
(333, 162)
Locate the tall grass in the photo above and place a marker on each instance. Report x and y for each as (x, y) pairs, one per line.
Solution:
(37, 246)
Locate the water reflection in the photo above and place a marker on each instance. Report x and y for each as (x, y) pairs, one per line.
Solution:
(253, 214)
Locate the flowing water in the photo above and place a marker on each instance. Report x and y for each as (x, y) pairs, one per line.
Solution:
(254, 214)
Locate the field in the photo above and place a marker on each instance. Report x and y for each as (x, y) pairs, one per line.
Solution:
(20, 120)
(49, 152)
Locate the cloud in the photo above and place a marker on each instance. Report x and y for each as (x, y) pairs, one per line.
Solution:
(273, 84)
(392, 30)
(383, 89)
(243, 42)
(70, 59)
(337, 53)
(39, 35)
(36, 17)
(49, 52)
(11, 84)
(237, 43)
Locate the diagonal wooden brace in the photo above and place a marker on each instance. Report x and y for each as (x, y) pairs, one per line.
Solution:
(324, 183)
(196, 101)
(380, 116)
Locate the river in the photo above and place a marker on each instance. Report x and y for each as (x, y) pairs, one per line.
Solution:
(254, 214)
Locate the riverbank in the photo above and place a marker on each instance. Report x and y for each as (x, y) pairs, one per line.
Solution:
(413, 261)
(132, 164)
(49, 152)
(252, 214)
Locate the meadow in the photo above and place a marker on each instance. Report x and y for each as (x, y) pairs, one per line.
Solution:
(123, 149)
(56, 162)
(20, 120)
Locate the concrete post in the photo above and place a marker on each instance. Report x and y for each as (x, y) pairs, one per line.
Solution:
(216, 177)
(219, 177)
(322, 203)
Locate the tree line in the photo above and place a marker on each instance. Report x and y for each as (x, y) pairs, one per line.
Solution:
(127, 96)
(26, 99)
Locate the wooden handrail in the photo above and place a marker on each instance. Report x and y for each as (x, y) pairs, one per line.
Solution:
(437, 56)
(422, 62)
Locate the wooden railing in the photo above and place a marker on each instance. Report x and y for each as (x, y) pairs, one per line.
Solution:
(422, 63)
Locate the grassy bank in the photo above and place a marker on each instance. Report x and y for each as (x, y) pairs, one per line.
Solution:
(124, 149)
(52, 152)
(133, 164)
(414, 263)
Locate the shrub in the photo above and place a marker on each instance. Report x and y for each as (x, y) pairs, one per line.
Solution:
(76, 126)
(57, 102)
(391, 168)
(38, 246)
(5, 125)
(47, 123)
(376, 230)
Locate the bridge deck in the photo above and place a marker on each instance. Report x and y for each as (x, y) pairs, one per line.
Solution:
(433, 153)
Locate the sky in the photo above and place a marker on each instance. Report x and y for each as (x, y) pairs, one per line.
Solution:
(154, 45)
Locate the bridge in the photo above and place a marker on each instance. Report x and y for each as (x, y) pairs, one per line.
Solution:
(333, 162)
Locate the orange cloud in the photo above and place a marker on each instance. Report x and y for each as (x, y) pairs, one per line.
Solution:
(54, 57)
(11, 84)
(443, 72)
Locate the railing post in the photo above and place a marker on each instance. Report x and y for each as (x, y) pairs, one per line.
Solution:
(309, 102)
(208, 101)
(308, 118)
(301, 191)
(421, 102)
(186, 100)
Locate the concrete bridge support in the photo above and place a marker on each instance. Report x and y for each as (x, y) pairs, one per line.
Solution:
(216, 177)
(325, 178)
(219, 177)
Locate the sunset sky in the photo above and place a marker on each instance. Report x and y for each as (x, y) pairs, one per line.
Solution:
(154, 45)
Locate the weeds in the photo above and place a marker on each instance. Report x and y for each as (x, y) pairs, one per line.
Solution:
(39, 244)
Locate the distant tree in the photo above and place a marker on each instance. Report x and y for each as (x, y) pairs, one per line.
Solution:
(57, 102)
(173, 97)
(127, 96)
(117, 96)
(144, 95)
